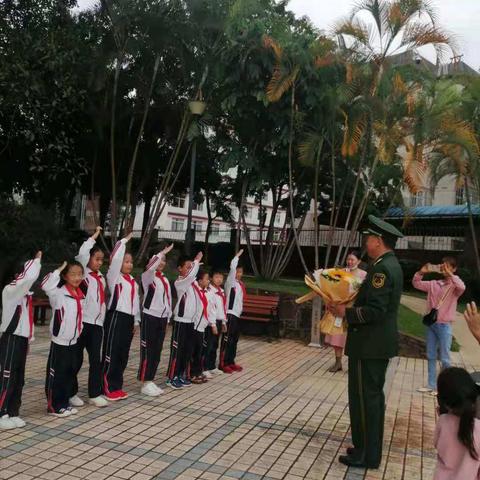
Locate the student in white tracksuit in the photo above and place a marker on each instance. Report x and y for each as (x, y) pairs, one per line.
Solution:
(66, 299)
(186, 310)
(93, 287)
(235, 293)
(122, 317)
(17, 331)
(204, 319)
(157, 310)
(217, 309)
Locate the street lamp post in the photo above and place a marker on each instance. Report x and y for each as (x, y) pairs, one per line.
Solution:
(196, 108)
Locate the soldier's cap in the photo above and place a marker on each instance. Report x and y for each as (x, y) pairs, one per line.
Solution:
(381, 228)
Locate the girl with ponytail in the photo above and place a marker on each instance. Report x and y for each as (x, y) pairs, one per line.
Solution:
(457, 434)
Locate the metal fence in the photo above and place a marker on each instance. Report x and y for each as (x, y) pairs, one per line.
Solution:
(452, 239)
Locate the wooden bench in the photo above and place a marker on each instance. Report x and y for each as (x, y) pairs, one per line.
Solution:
(263, 309)
(40, 306)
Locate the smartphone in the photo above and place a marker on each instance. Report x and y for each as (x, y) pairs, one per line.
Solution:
(434, 268)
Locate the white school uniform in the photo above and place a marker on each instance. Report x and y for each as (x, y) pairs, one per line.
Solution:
(234, 291)
(17, 314)
(188, 305)
(157, 300)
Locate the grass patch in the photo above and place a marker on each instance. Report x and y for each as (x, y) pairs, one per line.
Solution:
(294, 287)
(410, 322)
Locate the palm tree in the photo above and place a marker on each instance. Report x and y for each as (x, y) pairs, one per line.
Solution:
(375, 31)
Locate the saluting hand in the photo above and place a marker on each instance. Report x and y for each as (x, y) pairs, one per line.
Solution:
(239, 253)
(199, 257)
(39, 255)
(168, 249)
(98, 230)
(472, 316)
(62, 266)
(128, 237)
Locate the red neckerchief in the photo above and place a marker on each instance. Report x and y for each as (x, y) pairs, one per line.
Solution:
(165, 286)
(224, 299)
(203, 299)
(30, 315)
(77, 294)
(244, 290)
(131, 281)
(100, 286)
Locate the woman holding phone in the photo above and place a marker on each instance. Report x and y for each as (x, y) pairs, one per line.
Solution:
(443, 296)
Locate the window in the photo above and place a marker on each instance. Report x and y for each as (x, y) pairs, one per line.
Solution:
(461, 196)
(178, 225)
(421, 199)
(179, 201)
(248, 212)
(198, 206)
(276, 235)
(278, 218)
(197, 226)
(215, 230)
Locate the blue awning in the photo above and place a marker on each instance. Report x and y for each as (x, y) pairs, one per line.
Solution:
(432, 212)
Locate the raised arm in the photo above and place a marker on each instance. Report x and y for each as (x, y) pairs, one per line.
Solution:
(84, 253)
(183, 283)
(24, 281)
(419, 283)
(50, 285)
(149, 273)
(231, 274)
(116, 261)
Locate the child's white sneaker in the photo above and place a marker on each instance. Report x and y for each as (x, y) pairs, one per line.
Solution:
(63, 412)
(216, 371)
(207, 374)
(76, 401)
(150, 389)
(6, 423)
(159, 390)
(18, 422)
(72, 410)
(99, 401)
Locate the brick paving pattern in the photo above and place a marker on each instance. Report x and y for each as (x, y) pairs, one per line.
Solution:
(283, 417)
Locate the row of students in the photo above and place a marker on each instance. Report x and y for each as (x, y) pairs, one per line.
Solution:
(82, 320)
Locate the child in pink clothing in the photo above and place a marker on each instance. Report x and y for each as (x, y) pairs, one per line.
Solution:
(457, 434)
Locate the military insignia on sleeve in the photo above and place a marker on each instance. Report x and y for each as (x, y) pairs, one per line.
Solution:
(378, 280)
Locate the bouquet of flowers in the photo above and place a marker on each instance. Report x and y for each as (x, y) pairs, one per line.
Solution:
(336, 286)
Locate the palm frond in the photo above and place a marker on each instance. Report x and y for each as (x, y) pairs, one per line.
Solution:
(281, 82)
(414, 166)
(308, 148)
(416, 35)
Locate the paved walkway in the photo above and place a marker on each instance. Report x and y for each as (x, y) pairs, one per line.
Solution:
(469, 354)
(284, 417)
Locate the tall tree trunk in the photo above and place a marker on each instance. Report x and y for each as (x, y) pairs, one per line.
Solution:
(146, 210)
(113, 172)
(315, 200)
(130, 214)
(290, 179)
(209, 226)
(365, 153)
(240, 211)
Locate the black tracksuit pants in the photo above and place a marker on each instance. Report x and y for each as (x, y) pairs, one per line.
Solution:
(91, 340)
(60, 376)
(212, 346)
(117, 338)
(13, 355)
(198, 350)
(180, 350)
(228, 350)
(152, 335)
